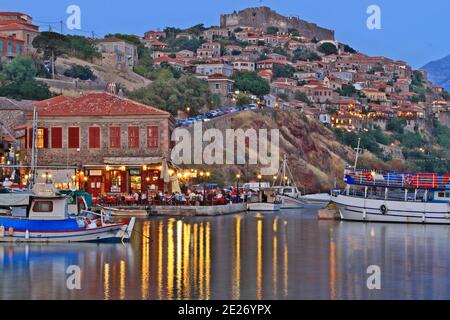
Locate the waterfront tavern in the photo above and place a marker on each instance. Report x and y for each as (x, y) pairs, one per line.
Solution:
(99, 141)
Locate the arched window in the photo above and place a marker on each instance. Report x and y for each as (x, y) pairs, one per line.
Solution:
(9, 48)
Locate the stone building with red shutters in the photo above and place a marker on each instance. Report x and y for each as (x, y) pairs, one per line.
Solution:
(101, 142)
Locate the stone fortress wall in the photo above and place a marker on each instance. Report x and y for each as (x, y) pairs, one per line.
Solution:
(263, 17)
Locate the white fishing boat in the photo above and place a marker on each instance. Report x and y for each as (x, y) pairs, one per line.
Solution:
(286, 189)
(267, 201)
(394, 197)
(43, 216)
(124, 212)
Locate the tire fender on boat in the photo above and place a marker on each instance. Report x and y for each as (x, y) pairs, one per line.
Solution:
(383, 209)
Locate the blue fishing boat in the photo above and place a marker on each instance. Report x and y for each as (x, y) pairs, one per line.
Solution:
(43, 216)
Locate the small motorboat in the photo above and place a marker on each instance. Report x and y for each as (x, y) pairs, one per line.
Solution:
(125, 212)
(43, 216)
(267, 201)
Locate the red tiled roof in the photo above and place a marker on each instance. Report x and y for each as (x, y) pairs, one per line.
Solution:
(51, 101)
(99, 104)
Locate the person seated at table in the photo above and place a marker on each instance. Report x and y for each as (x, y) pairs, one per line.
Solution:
(144, 198)
(182, 199)
(220, 199)
(136, 196)
(192, 198)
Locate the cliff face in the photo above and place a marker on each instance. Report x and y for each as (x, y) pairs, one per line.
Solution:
(315, 157)
(263, 17)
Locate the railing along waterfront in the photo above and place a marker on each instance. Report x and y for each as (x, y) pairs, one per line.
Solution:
(409, 180)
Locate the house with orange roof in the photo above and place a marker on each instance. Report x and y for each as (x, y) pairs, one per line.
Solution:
(116, 145)
(20, 26)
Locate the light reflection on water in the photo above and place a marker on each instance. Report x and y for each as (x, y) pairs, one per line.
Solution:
(249, 256)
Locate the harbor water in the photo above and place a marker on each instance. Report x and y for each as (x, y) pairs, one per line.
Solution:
(288, 255)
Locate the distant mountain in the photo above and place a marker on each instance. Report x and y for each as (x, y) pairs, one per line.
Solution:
(439, 72)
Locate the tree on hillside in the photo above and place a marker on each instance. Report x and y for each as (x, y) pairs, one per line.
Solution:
(175, 94)
(328, 48)
(80, 72)
(127, 37)
(272, 30)
(283, 71)
(17, 81)
(251, 82)
(50, 44)
(305, 55)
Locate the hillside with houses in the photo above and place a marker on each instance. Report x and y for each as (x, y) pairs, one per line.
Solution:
(270, 61)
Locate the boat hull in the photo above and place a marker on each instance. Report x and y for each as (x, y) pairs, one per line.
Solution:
(111, 232)
(377, 210)
(260, 206)
(291, 203)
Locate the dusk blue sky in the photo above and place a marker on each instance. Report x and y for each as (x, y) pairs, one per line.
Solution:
(413, 31)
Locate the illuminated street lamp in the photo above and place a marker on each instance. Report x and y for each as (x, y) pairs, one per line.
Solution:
(259, 180)
(238, 176)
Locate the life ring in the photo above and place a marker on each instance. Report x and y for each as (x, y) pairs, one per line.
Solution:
(383, 209)
(409, 179)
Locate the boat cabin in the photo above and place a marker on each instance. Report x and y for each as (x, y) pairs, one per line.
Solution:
(289, 191)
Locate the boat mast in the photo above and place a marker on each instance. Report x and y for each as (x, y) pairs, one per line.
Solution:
(358, 149)
(33, 149)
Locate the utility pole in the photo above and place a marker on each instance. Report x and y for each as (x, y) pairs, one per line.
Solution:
(53, 65)
(62, 26)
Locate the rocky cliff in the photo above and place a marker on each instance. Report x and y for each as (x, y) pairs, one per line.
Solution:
(314, 155)
(263, 17)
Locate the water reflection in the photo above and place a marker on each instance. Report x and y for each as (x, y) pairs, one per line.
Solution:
(248, 256)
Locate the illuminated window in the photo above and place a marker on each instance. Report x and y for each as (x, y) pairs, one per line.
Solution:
(40, 138)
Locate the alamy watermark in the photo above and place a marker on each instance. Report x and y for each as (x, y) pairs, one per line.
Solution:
(73, 22)
(374, 19)
(73, 281)
(374, 280)
(212, 147)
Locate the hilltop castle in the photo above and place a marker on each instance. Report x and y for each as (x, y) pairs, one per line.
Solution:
(263, 17)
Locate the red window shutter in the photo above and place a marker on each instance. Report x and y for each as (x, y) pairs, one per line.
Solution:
(152, 137)
(133, 137)
(114, 137)
(30, 138)
(26, 139)
(56, 138)
(45, 138)
(94, 137)
(74, 137)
